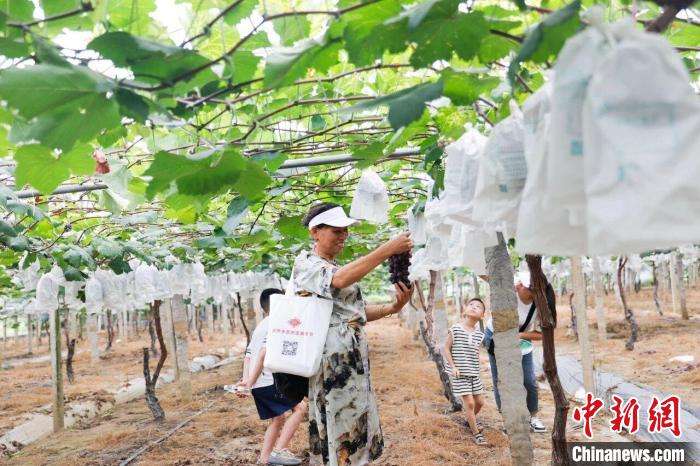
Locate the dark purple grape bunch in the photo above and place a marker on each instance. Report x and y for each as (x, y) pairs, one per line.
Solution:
(398, 268)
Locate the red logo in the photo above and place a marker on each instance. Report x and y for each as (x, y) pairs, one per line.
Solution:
(295, 322)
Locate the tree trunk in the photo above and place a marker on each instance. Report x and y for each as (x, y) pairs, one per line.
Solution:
(151, 327)
(439, 309)
(582, 323)
(475, 283)
(122, 326)
(629, 316)
(210, 320)
(599, 300)
(427, 332)
(251, 321)
(181, 348)
(93, 338)
(436, 356)
(675, 285)
(682, 305)
(574, 322)
(538, 283)
(151, 398)
(243, 320)
(30, 336)
(223, 310)
(70, 374)
(504, 309)
(57, 402)
(166, 324)
(655, 291)
(196, 310)
(110, 331)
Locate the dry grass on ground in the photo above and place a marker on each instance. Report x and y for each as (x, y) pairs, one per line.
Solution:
(418, 429)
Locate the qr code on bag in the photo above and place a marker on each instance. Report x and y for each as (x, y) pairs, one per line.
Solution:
(289, 348)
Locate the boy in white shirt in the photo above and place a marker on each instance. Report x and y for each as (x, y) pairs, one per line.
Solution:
(270, 403)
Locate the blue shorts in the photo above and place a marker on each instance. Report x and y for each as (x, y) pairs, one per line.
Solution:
(270, 402)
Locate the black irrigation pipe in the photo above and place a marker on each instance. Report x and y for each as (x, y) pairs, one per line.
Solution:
(296, 163)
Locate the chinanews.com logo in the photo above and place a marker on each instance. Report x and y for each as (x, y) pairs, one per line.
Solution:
(656, 416)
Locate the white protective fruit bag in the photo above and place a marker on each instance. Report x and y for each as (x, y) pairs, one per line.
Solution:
(573, 69)
(502, 173)
(417, 227)
(371, 199)
(297, 332)
(466, 249)
(543, 229)
(641, 122)
(461, 173)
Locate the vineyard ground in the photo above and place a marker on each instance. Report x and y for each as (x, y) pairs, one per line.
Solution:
(417, 427)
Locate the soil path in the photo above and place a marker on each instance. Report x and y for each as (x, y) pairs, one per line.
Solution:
(418, 429)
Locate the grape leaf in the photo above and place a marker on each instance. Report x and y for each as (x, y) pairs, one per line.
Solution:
(445, 31)
(211, 173)
(285, 66)
(151, 61)
(547, 37)
(58, 104)
(292, 28)
(406, 105)
(465, 88)
(13, 48)
(39, 168)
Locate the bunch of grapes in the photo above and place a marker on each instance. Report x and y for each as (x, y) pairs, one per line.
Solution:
(398, 268)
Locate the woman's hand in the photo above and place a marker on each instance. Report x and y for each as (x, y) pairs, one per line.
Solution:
(455, 372)
(399, 244)
(403, 296)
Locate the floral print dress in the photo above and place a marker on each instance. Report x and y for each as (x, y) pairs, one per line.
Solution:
(343, 419)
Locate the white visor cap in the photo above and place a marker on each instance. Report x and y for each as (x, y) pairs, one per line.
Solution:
(334, 217)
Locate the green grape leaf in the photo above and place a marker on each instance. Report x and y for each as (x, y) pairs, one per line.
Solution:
(369, 154)
(210, 242)
(406, 105)
(23, 209)
(291, 227)
(18, 243)
(151, 61)
(494, 48)
(78, 257)
(547, 37)
(133, 105)
(7, 229)
(285, 66)
(465, 88)
(13, 48)
(317, 123)
(128, 15)
(119, 265)
(59, 105)
(203, 174)
(108, 248)
(236, 212)
(292, 29)
(446, 31)
(72, 274)
(252, 181)
(240, 12)
(365, 35)
(38, 167)
(270, 160)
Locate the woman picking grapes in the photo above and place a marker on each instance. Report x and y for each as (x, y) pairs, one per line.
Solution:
(343, 420)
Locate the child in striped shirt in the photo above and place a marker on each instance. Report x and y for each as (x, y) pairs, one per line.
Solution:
(462, 353)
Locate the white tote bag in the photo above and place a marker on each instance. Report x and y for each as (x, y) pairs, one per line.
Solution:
(297, 332)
